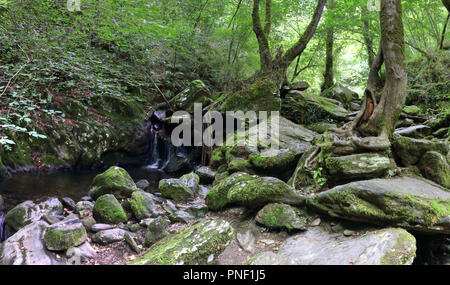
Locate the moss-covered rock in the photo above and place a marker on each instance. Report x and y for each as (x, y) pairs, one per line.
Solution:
(156, 229)
(281, 216)
(280, 165)
(142, 205)
(175, 189)
(108, 210)
(409, 150)
(199, 244)
(64, 235)
(435, 167)
(206, 175)
(239, 165)
(411, 110)
(406, 202)
(116, 181)
(341, 94)
(357, 166)
(192, 181)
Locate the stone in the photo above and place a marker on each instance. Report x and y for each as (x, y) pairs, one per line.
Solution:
(100, 227)
(156, 230)
(435, 167)
(300, 86)
(177, 163)
(206, 175)
(110, 236)
(88, 222)
(348, 233)
(357, 166)
(29, 212)
(68, 203)
(84, 206)
(64, 235)
(281, 165)
(409, 150)
(406, 202)
(281, 216)
(316, 222)
(131, 243)
(246, 240)
(192, 181)
(176, 190)
(115, 181)
(342, 94)
(26, 247)
(142, 205)
(181, 217)
(198, 244)
(143, 184)
(314, 247)
(108, 210)
(418, 132)
(321, 127)
(84, 252)
(411, 110)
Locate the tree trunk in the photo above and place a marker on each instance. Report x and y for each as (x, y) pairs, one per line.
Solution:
(329, 66)
(380, 119)
(446, 4)
(444, 30)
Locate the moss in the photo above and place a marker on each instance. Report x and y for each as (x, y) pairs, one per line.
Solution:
(401, 253)
(108, 210)
(175, 189)
(217, 157)
(56, 239)
(141, 204)
(239, 165)
(276, 216)
(116, 181)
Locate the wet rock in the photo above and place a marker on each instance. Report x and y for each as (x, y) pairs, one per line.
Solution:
(108, 210)
(142, 205)
(64, 235)
(315, 247)
(357, 166)
(114, 181)
(110, 236)
(156, 230)
(420, 131)
(435, 167)
(176, 190)
(100, 227)
(143, 184)
(410, 150)
(281, 216)
(68, 203)
(206, 175)
(26, 247)
(28, 212)
(199, 244)
(407, 202)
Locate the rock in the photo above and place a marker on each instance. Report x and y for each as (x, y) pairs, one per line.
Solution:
(191, 180)
(156, 230)
(86, 198)
(88, 222)
(177, 163)
(263, 95)
(110, 236)
(26, 247)
(142, 205)
(206, 175)
(404, 123)
(181, 217)
(134, 227)
(28, 212)
(355, 106)
(132, 243)
(281, 165)
(197, 92)
(417, 132)
(409, 151)
(281, 216)
(407, 202)
(68, 203)
(439, 122)
(64, 235)
(342, 94)
(300, 86)
(442, 133)
(196, 209)
(114, 181)
(302, 108)
(52, 219)
(246, 240)
(199, 244)
(176, 190)
(169, 207)
(316, 222)
(108, 210)
(100, 227)
(348, 233)
(143, 184)
(435, 167)
(357, 166)
(84, 206)
(81, 253)
(315, 247)
(411, 110)
(321, 127)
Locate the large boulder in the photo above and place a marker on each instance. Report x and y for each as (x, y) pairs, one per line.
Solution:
(316, 247)
(108, 210)
(435, 167)
(114, 181)
(410, 150)
(303, 108)
(29, 212)
(175, 189)
(26, 247)
(200, 244)
(357, 166)
(196, 92)
(192, 181)
(142, 205)
(281, 216)
(342, 94)
(65, 234)
(407, 202)
(111, 236)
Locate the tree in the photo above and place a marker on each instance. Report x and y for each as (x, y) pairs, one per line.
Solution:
(379, 119)
(329, 70)
(277, 66)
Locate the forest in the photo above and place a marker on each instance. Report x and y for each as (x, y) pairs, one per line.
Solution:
(126, 132)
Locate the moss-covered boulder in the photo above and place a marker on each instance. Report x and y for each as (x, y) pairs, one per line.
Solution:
(407, 202)
(116, 181)
(409, 150)
(357, 166)
(411, 110)
(206, 175)
(200, 244)
(281, 216)
(192, 181)
(263, 95)
(316, 247)
(280, 165)
(156, 229)
(303, 108)
(176, 190)
(196, 92)
(239, 165)
(108, 210)
(64, 235)
(435, 167)
(342, 94)
(142, 205)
